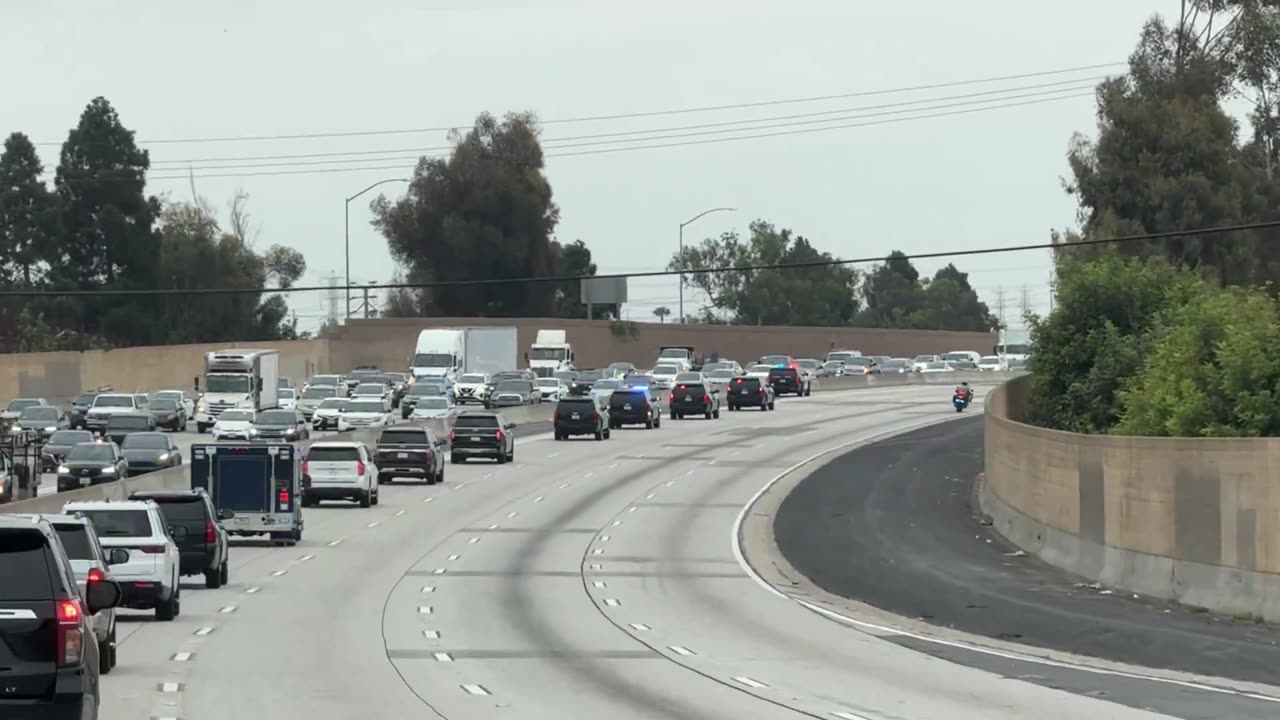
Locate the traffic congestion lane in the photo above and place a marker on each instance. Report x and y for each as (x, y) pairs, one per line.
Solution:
(296, 648)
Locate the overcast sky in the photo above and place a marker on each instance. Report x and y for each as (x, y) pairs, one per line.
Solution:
(232, 69)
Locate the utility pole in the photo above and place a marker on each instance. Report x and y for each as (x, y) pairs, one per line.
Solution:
(1025, 301)
(1000, 309)
(331, 312)
(680, 249)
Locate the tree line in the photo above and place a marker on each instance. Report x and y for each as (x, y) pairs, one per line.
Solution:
(1176, 336)
(97, 228)
(486, 211)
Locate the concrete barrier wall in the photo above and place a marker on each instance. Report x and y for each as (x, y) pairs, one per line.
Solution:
(1195, 520)
(61, 376)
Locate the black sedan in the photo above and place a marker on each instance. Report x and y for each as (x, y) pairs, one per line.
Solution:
(58, 445)
(121, 424)
(92, 463)
(287, 425)
(148, 451)
(44, 420)
(168, 413)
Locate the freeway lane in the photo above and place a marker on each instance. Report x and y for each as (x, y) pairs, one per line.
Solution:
(588, 579)
(891, 524)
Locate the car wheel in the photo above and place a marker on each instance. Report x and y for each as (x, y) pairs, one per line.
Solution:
(224, 572)
(657, 422)
(376, 497)
(213, 578)
(716, 413)
(456, 459)
(366, 500)
(168, 610)
(440, 475)
(608, 434)
(511, 456)
(104, 654)
(599, 434)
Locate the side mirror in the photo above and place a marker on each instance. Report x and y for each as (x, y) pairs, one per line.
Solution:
(117, 556)
(225, 514)
(102, 595)
(178, 532)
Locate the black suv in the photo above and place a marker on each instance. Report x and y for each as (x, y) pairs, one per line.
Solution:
(749, 392)
(482, 434)
(634, 406)
(688, 399)
(789, 380)
(204, 549)
(580, 416)
(49, 664)
(410, 451)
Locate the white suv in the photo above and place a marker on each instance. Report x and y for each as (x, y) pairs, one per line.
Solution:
(339, 471)
(149, 579)
(106, 405)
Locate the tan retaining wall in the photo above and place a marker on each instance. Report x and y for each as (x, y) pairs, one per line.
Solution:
(1196, 520)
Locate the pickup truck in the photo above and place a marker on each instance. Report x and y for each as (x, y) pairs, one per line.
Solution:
(410, 451)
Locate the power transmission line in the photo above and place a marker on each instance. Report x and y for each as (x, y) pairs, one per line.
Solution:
(1088, 84)
(601, 151)
(632, 115)
(1205, 231)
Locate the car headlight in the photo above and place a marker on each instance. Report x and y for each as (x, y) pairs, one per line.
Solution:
(201, 407)
(253, 431)
(164, 457)
(64, 470)
(108, 471)
(51, 428)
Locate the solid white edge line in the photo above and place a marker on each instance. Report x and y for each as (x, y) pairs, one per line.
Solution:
(736, 543)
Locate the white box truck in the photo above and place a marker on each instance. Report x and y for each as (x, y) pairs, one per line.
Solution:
(241, 379)
(551, 353)
(450, 352)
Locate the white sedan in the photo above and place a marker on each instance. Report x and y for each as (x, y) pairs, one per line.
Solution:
(432, 406)
(368, 412)
(759, 371)
(552, 389)
(664, 376)
(234, 425)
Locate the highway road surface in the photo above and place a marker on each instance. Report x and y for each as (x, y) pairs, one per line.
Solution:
(586, 580)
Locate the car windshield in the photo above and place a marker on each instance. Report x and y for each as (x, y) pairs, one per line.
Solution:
(776, 360)
(476, 421)
(70, 437)
(325, 380)
(112, 401)
(621, 366)
(164, 404)
(606, 385)
(277, 417)
(286, 394)
(20, 405)
(832, 364)
(365, 407)
(892, 363)
(963, 364)
(332, 404)
(639, 380)
(145, 441)
(119, 523)
(425, 390)
(747, 382)
(584, 404)
(955, 356)
(924, 358)
(936, 366)
(332, 453)
(675, 353)
(75, 540)
(760, 368)
(689, 377)
(84, 400)
(808, 364)
(403, 436)
(472, 379)
(692, 388)
(235, 416)
(90, 452)
(396, 377)
(319, 392)
(39, 413)
(548, 382)
(434, 403)
(437, 381)
(721, 374)
(989, 360)
(227, 384)
(370, 389)
(513, 386)
(666, 370)
(425, 360)
(857, 362)
(590, 375)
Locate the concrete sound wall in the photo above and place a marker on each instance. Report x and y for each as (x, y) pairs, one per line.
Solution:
(389, 342)
(60, 376)
(1195, 520)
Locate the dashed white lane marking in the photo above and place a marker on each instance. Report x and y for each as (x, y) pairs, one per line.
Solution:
(670, 483)
(847, 715)
(431, 634)
(428, 588)
(612, 602)
(181, 657)
(253, 590)
(494, 527)
(443, 657)
(711, 461)
(616, 523)
(459, 486)
(513, 513)
(613, 466)
(554, 454)
(584, 477)
(228, 609)
(631, 509)
(538, 499)
(335, 543)
(170, 687)
(604, 538)
(428, 499)
(680, 650)
(749, 682)
(649, 496)
(204, 631)
(475, 690)
(454, 557)
(473, 541)
(488, 475)
(375, 523)
(564, 485)
(598, 551)
(425, 610)
(597, 583)
(640, 627)
(438, 571)
(305, 558)
(689, 473)
(278, 573)
(399, 513)
(596, 566)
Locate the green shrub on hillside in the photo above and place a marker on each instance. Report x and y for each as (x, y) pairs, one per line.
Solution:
(1094, 340)
(1213, 370)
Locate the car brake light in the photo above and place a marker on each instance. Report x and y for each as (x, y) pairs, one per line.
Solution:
(595, 415)
(498, 435)
(70, 639)
(360, 468)
(706, 399)
(760, 391)
(453, 435)
(95, 575)
(682, 387)
(284, 501)
(210, 533)
(152, 549)
(306, 467)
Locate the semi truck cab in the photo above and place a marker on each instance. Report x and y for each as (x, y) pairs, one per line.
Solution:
(550, 353)
(239, 379)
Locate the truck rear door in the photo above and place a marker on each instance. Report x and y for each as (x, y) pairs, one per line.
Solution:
(28, 625)
(242, 479)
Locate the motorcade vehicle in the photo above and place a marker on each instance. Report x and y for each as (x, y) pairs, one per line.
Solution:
(203, 548)
(410, 451)
(581, 415)
(634, 406)
(338, 470)
(149, 578)
(255, 487)
(750, 391)
(482, 435)
(693, 398)
(791, 381)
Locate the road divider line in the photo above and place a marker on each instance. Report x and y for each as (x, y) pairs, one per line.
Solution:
(335, 543)
(431, 634)
(428, 588)
(438, 571)
(473, 541)
(399, 513)
(538, 499)
(680, 650)
(597, 583)
(203, 631)
(454, 557)
(749, 682)
(305, 558)
(278, 573)
(253, 590)
(429, 498)
(228, 609)
(475, 690)
(612, 602)
(182, 657)
(425, 610)
(513, 513)
(844, 715)
(170, 687)
(443, 657)
(640, 627)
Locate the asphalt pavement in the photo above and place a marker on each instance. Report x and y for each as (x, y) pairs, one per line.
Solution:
(586, 579)
(892, 524)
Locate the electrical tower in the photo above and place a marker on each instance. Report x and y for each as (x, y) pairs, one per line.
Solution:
(1000, 309)
(333, 299)
(1025, 302)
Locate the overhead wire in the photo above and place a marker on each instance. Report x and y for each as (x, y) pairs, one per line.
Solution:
(488, 282)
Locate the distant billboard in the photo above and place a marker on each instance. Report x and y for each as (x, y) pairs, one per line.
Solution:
(604, 291)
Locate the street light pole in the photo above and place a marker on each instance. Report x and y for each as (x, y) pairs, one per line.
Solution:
(681, 254)
(346, 224)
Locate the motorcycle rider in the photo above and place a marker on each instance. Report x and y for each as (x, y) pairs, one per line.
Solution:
(965, 391)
